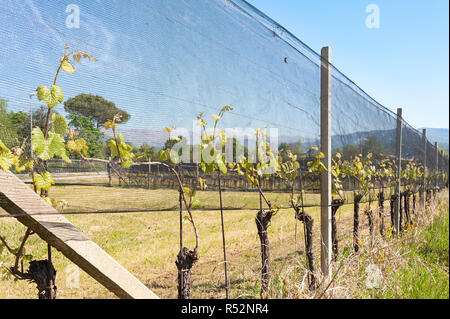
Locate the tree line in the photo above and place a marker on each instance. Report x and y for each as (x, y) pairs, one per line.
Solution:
(86, 114)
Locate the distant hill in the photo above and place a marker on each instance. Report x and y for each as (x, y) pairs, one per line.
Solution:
(157, 139)
(440, 135)
(139, 136)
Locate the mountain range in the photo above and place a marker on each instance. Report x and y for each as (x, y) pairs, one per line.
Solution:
(157, 138)
(440, 135)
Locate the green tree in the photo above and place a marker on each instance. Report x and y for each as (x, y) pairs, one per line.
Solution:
(170, 142)
(96, 108)
(146, 153)
(7, 131)
(372, 144)
(237, 148)
(297, 148)
(20, 121)
(93, 136)
(349, 151)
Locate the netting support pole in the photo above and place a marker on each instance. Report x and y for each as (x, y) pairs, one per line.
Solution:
(437, 165)
(398, 173)
(424, 191)
(325, 148)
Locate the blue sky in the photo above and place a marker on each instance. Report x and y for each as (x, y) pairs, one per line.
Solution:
(404, 63)
(166, 61)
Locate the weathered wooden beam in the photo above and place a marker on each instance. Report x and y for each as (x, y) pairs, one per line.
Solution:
(31, 210)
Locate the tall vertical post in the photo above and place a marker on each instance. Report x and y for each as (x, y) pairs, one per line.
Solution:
(325, 148)
(399, 173)
(424, 190)
(108, 167)
(437, 164)
(31, 119)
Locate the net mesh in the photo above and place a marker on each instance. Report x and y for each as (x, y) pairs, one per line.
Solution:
(164, 62)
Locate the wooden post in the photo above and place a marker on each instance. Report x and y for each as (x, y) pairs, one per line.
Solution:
(437, 164)
(325, 148)
(397, 211)
(109, 172)
(424, 191)
(149, 176)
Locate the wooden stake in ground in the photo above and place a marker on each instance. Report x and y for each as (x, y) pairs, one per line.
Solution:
(325, 148)
(186, 258)
(356, 242)
(369, 214)
(262, 220)
(308, 223)
(397, 211)
(334, 208)
(423, 190)
(381, 211)
(227, 283)
(392, 202)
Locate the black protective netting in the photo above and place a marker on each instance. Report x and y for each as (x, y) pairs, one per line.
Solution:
(164, 62)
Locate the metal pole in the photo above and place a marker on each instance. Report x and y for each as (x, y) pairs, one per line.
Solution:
(31, 121)
(325, 147)
(399, 172)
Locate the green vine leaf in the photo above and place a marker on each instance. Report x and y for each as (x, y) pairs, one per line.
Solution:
(222, 166)
(44, 181)
(59, 124)
(48, 148)
(122, 150)
(23, 163)
(28, 257)
(196, 204)
(202, 183)
(77, 146)
(51, 97)
(7, 159)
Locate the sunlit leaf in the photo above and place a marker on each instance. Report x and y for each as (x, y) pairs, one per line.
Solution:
(51, 97)
(46, 149)
(67, 66)
(59, 124)
(44, 181)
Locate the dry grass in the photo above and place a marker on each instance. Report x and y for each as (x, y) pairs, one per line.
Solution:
(415, 265)
(147, 244)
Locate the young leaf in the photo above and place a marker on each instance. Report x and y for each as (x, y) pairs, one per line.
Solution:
(67, 66)
(50, 97)
(46, 149)
(7, 159)
(77, 146)
(222, 166)
(59, 124)
(196, 204)
(44, 181)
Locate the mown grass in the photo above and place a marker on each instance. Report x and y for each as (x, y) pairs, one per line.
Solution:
(147, 244)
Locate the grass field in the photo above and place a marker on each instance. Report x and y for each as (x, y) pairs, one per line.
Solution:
(147, 244)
